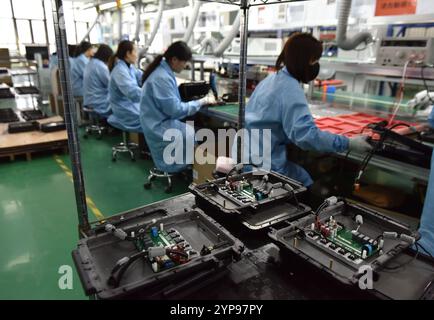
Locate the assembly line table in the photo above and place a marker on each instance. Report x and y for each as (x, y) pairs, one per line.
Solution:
(335, 104)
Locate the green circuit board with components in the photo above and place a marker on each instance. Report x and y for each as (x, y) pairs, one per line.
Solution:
(171, 239)
(351, 244)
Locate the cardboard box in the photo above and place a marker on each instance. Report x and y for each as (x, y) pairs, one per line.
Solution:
(202, 172)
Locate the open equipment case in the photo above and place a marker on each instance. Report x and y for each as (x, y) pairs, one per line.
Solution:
(346, 239)
(259, 199)
(118, 260)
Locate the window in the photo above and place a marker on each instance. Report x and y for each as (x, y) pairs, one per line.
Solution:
(7, 36)
(25, 9)
(81, 30)
(38, 32)
(24, 34)
(5, 11)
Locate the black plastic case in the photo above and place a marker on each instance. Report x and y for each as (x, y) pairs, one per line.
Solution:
(411, 282)
(260, 214)
(96, 255)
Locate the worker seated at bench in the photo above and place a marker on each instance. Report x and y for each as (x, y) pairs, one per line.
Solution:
(125, 86)
(161, 107)
(426, 227)
(96, 82)
(279, 105)
(83, 53)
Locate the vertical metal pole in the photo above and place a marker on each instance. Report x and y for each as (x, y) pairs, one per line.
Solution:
(31, 31)
(68, 102)
(119, 7)
(244, 25)
(45, 27)
(14, 20)
(192, 70)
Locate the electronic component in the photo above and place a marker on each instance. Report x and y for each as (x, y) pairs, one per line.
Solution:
(166, 249)
(26, 90)
(5, 93)
(53, 126)
(18, 127)
(193, 90)
(396, 51)
(30, 115)
(336, 237)
(8, 115)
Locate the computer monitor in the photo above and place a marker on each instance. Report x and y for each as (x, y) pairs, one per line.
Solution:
(31, 50)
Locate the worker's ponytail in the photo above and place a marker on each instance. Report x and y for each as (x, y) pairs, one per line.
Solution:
(151, 67)
(280, 59)
(178, 49)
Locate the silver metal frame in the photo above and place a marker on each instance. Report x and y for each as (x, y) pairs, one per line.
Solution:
(70, 117)
(155, 173)
(125, 147)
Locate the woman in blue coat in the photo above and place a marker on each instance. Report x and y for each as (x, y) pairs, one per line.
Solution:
(279, 104)
(83, 54)
(125, 87)
(96, 80)
(426, 228)
(161, 107)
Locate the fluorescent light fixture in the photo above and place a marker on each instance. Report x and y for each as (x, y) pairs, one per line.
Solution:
(106, 6)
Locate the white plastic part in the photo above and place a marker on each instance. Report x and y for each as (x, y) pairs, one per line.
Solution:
(161, 226)
(331, 201)
(364, 254)
(156, 252)
(312, 226)
(155, 266)
(381, 243)
(224, 164)
(359, 219)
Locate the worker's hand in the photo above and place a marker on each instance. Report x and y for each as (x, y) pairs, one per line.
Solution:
(359, 144)
(207, 101)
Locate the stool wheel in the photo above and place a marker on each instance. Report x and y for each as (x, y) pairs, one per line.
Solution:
(85, 136)
(114, 159)
(168, 189)
(147, 185)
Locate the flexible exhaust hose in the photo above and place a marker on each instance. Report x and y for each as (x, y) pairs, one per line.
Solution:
(192, 21)
(138, 7)
(92, 26)
(155, 30)
(341, 33)
(218, 49)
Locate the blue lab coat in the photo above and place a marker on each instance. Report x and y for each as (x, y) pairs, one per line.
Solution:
(278, 103)
(124, 95)
(161, 109)
(426, 228)
(77, 71)
(95, 87)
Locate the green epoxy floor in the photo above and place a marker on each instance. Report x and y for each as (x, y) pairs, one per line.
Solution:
(38, 219)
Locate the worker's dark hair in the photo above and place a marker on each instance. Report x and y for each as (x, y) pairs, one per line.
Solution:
(82, 48)
(124, 47)
(178, 49)
(299, 51)
(104, 53)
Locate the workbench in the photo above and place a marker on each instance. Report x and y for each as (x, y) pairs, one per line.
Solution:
(335, 104)
(265, 270)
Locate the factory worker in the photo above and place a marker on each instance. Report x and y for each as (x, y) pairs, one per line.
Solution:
(83, 53)
(96, 80)
(124, 86)
(426, 228)
(161, 107)
(279, 104)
